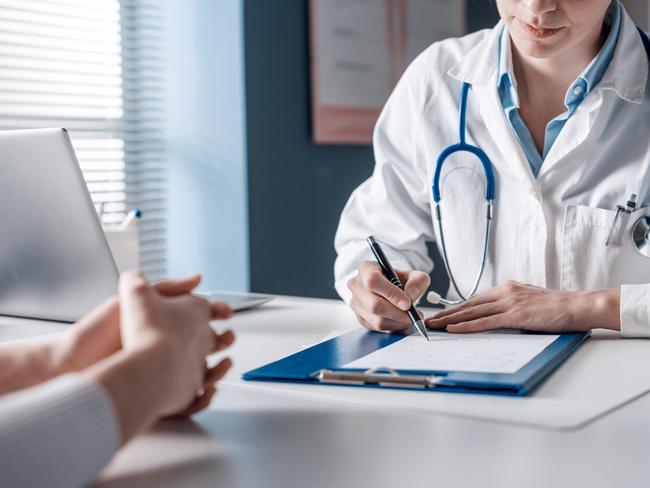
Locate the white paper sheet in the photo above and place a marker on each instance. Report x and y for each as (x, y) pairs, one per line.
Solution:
(480, 353)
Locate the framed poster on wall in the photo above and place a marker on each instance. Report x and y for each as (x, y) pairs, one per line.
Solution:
(359, 49)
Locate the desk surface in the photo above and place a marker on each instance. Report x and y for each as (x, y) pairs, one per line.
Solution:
(261, 438)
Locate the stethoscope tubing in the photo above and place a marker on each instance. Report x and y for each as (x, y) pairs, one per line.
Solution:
(462, 146)
(479, 275)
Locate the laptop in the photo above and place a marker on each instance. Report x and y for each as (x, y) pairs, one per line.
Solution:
(55, 263)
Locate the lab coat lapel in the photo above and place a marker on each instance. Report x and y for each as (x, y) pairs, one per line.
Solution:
(574, 133)
(511, 158)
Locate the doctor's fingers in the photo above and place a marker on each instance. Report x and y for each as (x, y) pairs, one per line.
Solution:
(373, 304)
(483, 324)
(376, 313)
(489, 296)
(381, 324)
(415, 283)
(466, 314)
(371, 278)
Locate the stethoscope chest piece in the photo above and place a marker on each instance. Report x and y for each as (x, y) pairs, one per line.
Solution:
(641, 235)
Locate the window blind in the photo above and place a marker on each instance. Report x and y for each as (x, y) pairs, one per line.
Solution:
(94, 67)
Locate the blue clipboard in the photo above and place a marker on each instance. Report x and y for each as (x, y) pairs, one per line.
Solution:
(323, 364)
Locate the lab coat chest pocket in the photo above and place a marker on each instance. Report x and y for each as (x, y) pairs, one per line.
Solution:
(587, 263)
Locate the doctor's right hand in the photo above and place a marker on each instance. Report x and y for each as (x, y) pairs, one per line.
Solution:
(378, 304)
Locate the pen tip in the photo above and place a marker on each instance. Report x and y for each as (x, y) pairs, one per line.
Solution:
(422, 329)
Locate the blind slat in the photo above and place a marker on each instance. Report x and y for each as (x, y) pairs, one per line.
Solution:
(143, 90)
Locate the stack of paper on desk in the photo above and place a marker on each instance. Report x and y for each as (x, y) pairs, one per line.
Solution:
(480, 353)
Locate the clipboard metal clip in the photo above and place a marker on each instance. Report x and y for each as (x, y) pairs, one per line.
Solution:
(378, 377)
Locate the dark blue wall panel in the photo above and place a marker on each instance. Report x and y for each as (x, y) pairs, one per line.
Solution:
(296, 189)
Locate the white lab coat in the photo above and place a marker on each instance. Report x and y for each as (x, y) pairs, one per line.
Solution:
(548, 231)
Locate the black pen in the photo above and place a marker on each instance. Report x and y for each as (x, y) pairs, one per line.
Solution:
(390, 274)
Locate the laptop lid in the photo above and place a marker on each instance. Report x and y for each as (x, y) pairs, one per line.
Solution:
(55, 263)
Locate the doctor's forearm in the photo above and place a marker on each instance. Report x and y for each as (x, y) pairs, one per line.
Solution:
(599, 309)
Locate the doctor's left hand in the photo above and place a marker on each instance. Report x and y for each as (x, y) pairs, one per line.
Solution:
(514, 305)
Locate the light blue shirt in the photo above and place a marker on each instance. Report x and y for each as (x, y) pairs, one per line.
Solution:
(576, 93)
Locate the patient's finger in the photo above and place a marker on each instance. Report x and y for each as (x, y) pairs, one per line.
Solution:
(223, 341)
(199, 403)
(217, 373)
(178, 287)
(220, 310)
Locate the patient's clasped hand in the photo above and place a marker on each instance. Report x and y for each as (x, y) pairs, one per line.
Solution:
(144, 352)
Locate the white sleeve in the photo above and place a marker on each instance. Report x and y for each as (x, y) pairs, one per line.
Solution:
(635, 311)
(393, 205)
(59, 433)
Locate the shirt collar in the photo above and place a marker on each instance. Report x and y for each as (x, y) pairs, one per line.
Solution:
(505, 58)
(585, 82)
(593, 73)
(507, 83)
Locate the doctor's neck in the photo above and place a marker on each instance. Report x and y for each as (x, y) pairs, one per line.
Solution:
(553, 41)
(558, 71)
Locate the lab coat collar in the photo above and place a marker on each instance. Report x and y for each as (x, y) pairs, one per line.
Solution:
(479, 65)
(627, 74)
(479, 68)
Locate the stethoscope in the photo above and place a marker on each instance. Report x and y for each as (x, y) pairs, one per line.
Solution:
(462, 146)
(640, 231)
(641, 236)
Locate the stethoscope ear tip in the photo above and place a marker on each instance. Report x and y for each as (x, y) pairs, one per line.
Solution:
(433, 298)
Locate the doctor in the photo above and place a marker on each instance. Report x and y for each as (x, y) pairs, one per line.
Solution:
(556, 98)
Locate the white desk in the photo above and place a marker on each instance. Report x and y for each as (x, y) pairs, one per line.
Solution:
(252, 438)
